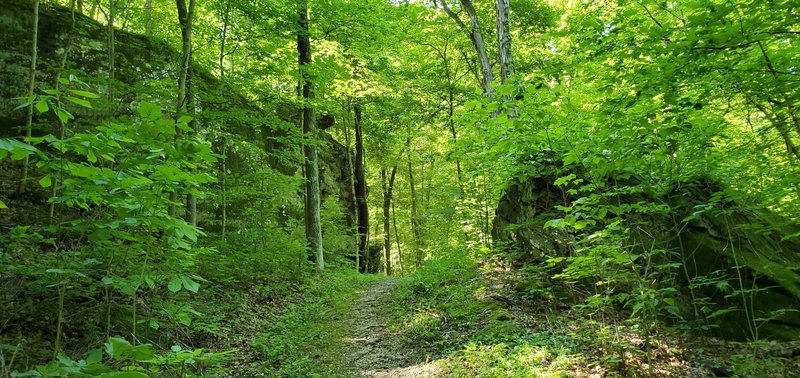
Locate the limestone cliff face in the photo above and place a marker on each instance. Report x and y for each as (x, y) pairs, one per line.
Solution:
(146, 70)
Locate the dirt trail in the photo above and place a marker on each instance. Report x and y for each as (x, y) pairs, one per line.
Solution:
(375, 350)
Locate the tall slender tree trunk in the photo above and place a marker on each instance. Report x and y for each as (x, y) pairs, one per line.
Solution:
(504, 41)
(397, 239)
(31, 85)
(148, 22)
(224, 184)
(111, 54)
(361, 193)
(451, 107)
(312, 198)
(429, 185)
(351, 180)
(61, 125)
(224, 171)
(415, 227)
(185, 18)
(191, 199)
(387, 235)
(505, 59)
(475, 35)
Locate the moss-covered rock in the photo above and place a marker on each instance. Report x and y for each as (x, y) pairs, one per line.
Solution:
(744, 246)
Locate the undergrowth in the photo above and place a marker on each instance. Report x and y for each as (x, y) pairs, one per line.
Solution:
(306, 337)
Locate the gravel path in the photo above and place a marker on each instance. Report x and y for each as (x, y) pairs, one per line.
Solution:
(375, 351)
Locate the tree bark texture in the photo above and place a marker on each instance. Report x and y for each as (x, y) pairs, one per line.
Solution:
(504, 41)
(309, 121)
(475, 35)
(185, 17)
(388, 186)
(415, 227)
(361, 194)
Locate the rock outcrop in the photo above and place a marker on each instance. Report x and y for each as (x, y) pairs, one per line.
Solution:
(707, 232)
(145, 70)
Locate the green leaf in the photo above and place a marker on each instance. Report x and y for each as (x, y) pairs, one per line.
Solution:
(63, 115)
(190, 284)
(720, 312)
(78, 101)
(117, 347)
(42, 106)
(3, 205)
(83, 93)
(46, 181)
(149, 111)
(142, 352)
(174, 284)
(94, 356)
(124, 374)
(184, 318)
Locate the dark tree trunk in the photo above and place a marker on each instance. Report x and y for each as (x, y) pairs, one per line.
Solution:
(361, 193)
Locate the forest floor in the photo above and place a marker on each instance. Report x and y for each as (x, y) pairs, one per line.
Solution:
(456, 317)
(456, 320)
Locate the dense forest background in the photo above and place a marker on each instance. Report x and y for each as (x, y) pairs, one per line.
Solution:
(474, 187)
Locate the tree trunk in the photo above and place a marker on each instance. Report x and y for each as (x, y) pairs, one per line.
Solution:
(504, 41)
(148, 23)
(361, 193)
(312, 198)
(185, 94)
(111, 55)
(351, 179)
(431, 171)
(185, 17)
(61, 125)
(505, 58)
(397, 239)
(387, 202)
(191, 199)
(451, 106)
(476, 37)
(223, 171)
(415, 228)
(31, 84)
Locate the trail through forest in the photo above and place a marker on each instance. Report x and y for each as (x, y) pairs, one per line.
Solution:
(375, 350)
